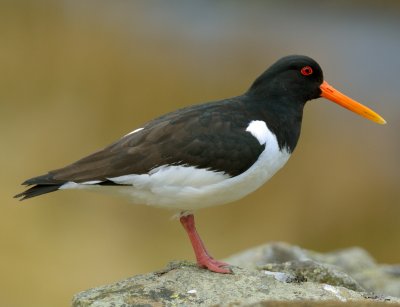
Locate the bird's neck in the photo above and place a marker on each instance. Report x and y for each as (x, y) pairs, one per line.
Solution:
(283, 116)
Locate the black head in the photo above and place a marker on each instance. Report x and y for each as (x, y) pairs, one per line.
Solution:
(295, 77)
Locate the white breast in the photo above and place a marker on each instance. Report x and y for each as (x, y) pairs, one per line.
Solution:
(190, 188)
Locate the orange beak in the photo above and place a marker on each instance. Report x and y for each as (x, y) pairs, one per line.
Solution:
(334, 95)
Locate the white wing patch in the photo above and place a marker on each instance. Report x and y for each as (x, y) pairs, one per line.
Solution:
(134, 131)
(259, 130)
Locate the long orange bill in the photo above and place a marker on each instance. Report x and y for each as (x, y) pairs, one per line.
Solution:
(334, 95)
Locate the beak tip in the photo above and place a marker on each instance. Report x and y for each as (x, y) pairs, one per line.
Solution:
(379, 120)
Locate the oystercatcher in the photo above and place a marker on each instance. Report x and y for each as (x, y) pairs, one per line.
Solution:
(208, 154)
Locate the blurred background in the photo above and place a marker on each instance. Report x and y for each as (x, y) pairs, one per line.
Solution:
(76, 75)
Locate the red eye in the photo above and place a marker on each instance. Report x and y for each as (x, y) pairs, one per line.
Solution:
(306, 71)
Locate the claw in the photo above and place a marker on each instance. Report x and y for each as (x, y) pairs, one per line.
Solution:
(215, 267)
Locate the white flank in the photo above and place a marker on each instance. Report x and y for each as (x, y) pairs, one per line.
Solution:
(173, 175)
(134, 131)
(190, 188)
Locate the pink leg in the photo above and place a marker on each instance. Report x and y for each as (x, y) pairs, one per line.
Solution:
(203, 257)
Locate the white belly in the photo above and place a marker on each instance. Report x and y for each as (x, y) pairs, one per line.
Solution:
(190, 188)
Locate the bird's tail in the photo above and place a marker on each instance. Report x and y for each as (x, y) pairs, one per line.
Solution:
(41, 185)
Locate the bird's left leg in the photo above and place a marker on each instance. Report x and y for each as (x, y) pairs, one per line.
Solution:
(203, 257)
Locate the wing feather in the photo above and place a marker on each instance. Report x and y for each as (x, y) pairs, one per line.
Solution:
(209, 136)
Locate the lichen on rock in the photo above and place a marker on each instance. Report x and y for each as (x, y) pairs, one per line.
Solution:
(271, 275)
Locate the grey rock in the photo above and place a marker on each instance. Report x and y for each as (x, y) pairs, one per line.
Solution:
(277, 252)
(272, 275)
(312, 271)
(356, 263)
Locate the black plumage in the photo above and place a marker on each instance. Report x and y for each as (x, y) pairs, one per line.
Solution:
(212, 136)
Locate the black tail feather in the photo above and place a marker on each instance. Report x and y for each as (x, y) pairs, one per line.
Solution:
(40, 185)
(47, 179)
(38, 190)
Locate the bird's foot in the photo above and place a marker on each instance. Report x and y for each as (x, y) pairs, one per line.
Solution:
(214, 265)
(204, 259)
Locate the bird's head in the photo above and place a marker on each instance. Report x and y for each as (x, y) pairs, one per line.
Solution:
(298, 78)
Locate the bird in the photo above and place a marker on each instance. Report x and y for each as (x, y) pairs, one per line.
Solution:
(206, 154)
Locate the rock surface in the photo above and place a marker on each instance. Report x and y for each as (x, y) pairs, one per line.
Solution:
(275, 274)
(352, 264)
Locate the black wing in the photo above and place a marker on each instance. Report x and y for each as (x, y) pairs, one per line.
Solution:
(210, 136)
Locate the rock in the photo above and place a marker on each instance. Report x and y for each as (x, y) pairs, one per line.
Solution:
(271, 275)
(354, 262)
(311, 271)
